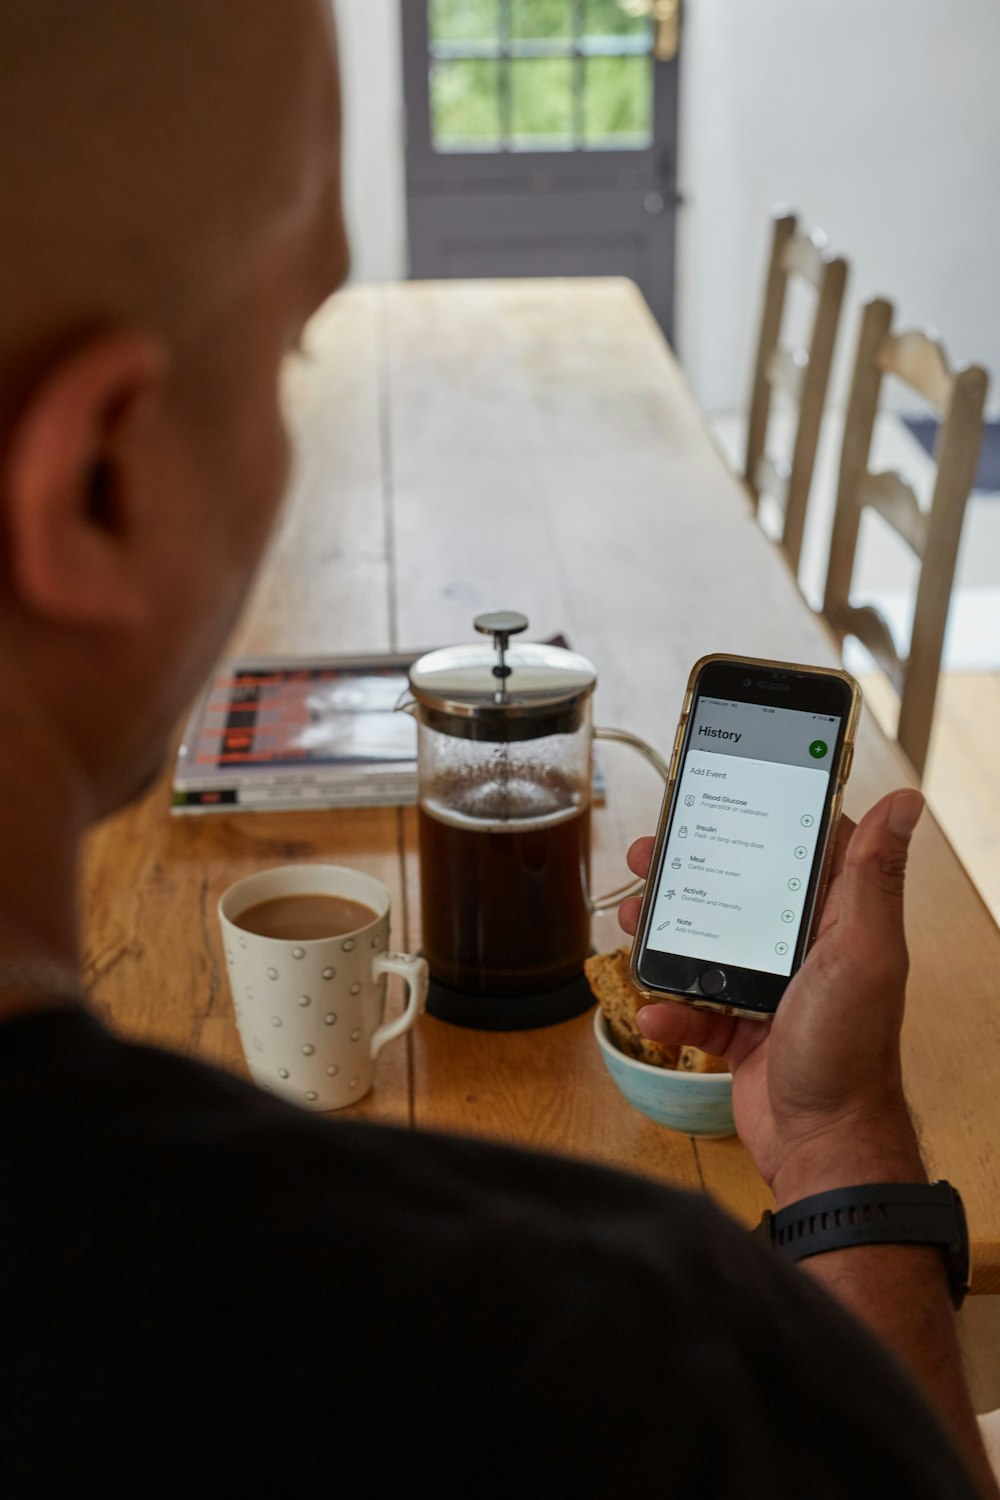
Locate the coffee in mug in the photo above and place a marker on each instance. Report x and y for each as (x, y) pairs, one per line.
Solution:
(305, 918)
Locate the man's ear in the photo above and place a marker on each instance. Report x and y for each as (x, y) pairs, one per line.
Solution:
(66, 487)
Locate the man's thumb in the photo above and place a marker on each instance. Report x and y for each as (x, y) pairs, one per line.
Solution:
(876, 865)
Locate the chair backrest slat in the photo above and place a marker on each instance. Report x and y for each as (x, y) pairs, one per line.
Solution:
(804, 255)
(896, 503)
(919, 360)
(869, 626)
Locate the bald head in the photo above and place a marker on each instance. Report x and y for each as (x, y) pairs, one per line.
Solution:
(150, 152)
(169, 218)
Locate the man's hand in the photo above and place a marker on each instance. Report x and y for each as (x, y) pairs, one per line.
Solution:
(818, 1098)
(818, 1093)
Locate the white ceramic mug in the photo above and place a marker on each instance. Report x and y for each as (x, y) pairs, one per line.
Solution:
(310, 1014)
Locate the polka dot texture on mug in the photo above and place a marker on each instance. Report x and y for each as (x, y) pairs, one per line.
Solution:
(304, 1015)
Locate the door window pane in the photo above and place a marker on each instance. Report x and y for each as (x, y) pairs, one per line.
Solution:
(541, 102)
(464, 20)
(465, 105)
(614, 18)
(618, 101)
(541, 18)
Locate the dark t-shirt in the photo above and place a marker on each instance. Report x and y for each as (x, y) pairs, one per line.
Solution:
(203, 1289)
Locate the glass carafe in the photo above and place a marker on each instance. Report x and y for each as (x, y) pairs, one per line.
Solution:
(505, 767)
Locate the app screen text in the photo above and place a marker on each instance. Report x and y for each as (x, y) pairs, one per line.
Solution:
(748, 811)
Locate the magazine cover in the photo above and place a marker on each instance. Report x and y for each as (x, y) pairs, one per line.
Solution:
(283, 733)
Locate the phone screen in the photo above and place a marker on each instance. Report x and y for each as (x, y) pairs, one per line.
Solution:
(740, 853)
(748, 813)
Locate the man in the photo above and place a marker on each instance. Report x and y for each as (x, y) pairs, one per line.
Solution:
(203, 1288)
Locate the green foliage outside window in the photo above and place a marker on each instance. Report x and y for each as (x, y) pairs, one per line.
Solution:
(570, 95)
(464, 20)
(541, 18)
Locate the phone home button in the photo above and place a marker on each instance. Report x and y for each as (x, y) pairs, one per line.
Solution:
(712, 982)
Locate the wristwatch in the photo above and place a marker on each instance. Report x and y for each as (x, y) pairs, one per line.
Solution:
(879, 1213)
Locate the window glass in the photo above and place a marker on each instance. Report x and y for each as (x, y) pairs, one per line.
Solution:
(464, 20)
(541, 101)
(617, 101)
(614, 18)
(465, 104)
(540, 75)
(541, 18)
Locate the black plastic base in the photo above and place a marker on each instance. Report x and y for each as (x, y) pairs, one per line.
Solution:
(509, 1012)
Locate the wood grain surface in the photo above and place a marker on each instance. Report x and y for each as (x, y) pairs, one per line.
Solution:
(528, 445)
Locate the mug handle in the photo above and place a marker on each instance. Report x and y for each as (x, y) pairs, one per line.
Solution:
(622, 737)
(415, 973)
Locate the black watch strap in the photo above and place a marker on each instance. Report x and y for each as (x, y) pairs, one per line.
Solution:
(877, 1213)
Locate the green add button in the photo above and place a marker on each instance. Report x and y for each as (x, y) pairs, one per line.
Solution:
(818, 749)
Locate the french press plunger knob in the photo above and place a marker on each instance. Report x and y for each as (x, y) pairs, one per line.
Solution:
(501, 624)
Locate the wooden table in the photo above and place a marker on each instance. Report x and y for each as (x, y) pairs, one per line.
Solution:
(528, 445)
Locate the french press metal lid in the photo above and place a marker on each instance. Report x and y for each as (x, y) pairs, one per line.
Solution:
(503, 692)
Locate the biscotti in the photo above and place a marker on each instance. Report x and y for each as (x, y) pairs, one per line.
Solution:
(693, 1060)
(607, 974)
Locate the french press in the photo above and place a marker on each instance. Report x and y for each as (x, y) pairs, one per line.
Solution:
(505, 769)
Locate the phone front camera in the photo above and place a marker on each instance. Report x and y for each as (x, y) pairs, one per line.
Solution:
(746, 682)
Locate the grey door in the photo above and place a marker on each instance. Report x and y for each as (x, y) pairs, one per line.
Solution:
(542, 139)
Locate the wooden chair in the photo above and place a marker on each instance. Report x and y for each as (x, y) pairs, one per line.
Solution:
(919, 361)
(801, 373)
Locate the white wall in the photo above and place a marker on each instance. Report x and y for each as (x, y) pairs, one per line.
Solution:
(878, 119)
(374, 125)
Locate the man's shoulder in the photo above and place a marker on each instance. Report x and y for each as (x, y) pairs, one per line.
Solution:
(146, 1139)
(274, 1267)
(72, 1088)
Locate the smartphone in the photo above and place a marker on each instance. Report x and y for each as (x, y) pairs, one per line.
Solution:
(761, 756)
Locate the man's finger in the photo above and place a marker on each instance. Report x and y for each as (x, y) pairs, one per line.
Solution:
(639, 856)
(628, 913)
(684, 1026)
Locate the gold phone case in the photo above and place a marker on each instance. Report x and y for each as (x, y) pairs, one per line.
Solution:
(840, 773)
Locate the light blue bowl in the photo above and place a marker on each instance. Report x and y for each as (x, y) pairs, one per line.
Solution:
(693, 1103)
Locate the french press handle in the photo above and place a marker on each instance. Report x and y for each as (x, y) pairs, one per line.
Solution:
(622, 737)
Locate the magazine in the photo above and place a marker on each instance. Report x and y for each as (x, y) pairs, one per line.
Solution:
(277, 732)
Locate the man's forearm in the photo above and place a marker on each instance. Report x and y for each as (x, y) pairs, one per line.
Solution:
(899, 1291)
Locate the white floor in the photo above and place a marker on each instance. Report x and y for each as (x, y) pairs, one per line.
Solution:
(885, 572)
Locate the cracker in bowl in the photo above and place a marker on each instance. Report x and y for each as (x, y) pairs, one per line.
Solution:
(607, 975)
(693, 1060)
